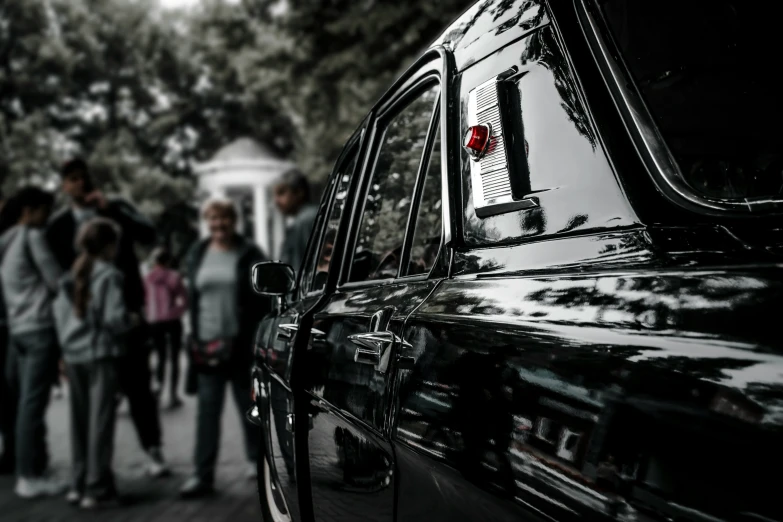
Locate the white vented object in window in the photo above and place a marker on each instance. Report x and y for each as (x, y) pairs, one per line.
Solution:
(491, 173)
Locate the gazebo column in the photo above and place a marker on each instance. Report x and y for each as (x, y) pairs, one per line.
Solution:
(279, 228)
(261, 210)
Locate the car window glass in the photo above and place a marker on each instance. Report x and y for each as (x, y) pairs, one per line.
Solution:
(320, 266)
(388, 201)
(310, 261)
(427, 235)
(703, 68)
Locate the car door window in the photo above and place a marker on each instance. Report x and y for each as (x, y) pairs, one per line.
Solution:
(318, 266)
(388, 201)
(427, 234)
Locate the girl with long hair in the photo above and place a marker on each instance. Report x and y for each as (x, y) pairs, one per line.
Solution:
(92, 319)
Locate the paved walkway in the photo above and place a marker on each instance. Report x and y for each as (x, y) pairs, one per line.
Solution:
(148, 500)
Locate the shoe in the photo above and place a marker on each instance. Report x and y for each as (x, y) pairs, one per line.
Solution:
(73, 497)
(252, 472)
(38, 487)
(195, 488)
(156, 467)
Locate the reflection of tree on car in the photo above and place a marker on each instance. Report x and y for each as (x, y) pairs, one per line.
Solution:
(388, 200)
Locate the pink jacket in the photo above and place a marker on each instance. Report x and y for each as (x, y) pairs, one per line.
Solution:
(167, 299)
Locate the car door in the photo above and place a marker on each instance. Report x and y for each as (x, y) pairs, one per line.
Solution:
(392, 262)
(276, 337)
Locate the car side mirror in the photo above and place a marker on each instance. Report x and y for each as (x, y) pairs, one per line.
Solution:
(273, 278)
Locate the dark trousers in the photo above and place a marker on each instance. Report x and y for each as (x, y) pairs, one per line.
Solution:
(9, 397)
(134, 376)
(211, 396)
(93, 387)
(36, 362)
(167, 338)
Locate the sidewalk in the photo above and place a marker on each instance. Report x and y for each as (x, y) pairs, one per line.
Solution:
(148, 500)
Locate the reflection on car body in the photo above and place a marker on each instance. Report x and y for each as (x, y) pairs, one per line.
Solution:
(589, 334)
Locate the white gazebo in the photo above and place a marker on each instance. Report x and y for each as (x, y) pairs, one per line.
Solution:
(244, 171)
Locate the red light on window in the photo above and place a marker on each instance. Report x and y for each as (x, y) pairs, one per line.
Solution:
(477, 140)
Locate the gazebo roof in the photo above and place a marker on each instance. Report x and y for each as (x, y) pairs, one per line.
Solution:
(243, 149)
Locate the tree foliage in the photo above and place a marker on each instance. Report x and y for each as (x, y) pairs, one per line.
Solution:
(144, 93)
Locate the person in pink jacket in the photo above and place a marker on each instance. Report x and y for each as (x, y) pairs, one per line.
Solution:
(166, 302)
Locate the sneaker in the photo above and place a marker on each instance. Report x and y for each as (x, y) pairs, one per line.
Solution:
(251, 473)
(195, 488)
(89, 503)
(73, 497)
(38, 487)
(156, 467)
(108, 499)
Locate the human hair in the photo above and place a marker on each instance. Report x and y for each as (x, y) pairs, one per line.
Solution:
(161, 256)
(32, 197)
(96, 236)
(29, 197)
(222, 206)
(296, 181)
(74, 165)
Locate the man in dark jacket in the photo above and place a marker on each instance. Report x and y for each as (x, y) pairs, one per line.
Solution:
(88, 202)
(292, 197)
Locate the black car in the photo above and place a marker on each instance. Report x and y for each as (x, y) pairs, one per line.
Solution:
(544, 280)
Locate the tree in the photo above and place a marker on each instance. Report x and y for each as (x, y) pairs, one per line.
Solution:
(326, 63)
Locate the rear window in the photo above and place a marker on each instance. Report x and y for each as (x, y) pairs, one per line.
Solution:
(707, 71)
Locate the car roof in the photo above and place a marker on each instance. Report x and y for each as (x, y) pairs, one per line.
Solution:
(489, 25)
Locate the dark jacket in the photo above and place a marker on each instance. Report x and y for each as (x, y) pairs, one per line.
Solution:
(297, 235)
(252, 307)
(135, 227)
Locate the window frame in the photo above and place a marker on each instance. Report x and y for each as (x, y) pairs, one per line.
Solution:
(426, 77)
(418, 193)
(645, 134)
(353, 146)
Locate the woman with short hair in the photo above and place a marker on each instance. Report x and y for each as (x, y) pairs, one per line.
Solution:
(224, 313)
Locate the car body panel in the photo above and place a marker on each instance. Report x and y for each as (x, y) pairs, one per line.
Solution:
(350, 456)
(532, 387)
(603, 356)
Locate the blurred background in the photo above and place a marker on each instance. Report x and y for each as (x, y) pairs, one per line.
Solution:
(171, 101)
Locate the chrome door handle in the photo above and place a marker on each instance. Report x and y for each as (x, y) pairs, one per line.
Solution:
(286, 331)
(371, 346)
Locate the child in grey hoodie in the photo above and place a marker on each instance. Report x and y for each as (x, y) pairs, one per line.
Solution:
(92, 319)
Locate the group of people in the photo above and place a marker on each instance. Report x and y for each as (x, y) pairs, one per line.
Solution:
(74, 301)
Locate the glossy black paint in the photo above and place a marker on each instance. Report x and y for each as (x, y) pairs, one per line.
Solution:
(567, 166)
(606, 356)
(667, 381)
(351, 458)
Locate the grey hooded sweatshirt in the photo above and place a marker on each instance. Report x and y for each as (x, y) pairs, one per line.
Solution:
(100, 333)
(29, 276)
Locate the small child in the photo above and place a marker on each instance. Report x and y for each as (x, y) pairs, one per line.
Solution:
(91, 320)
(166, 303)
